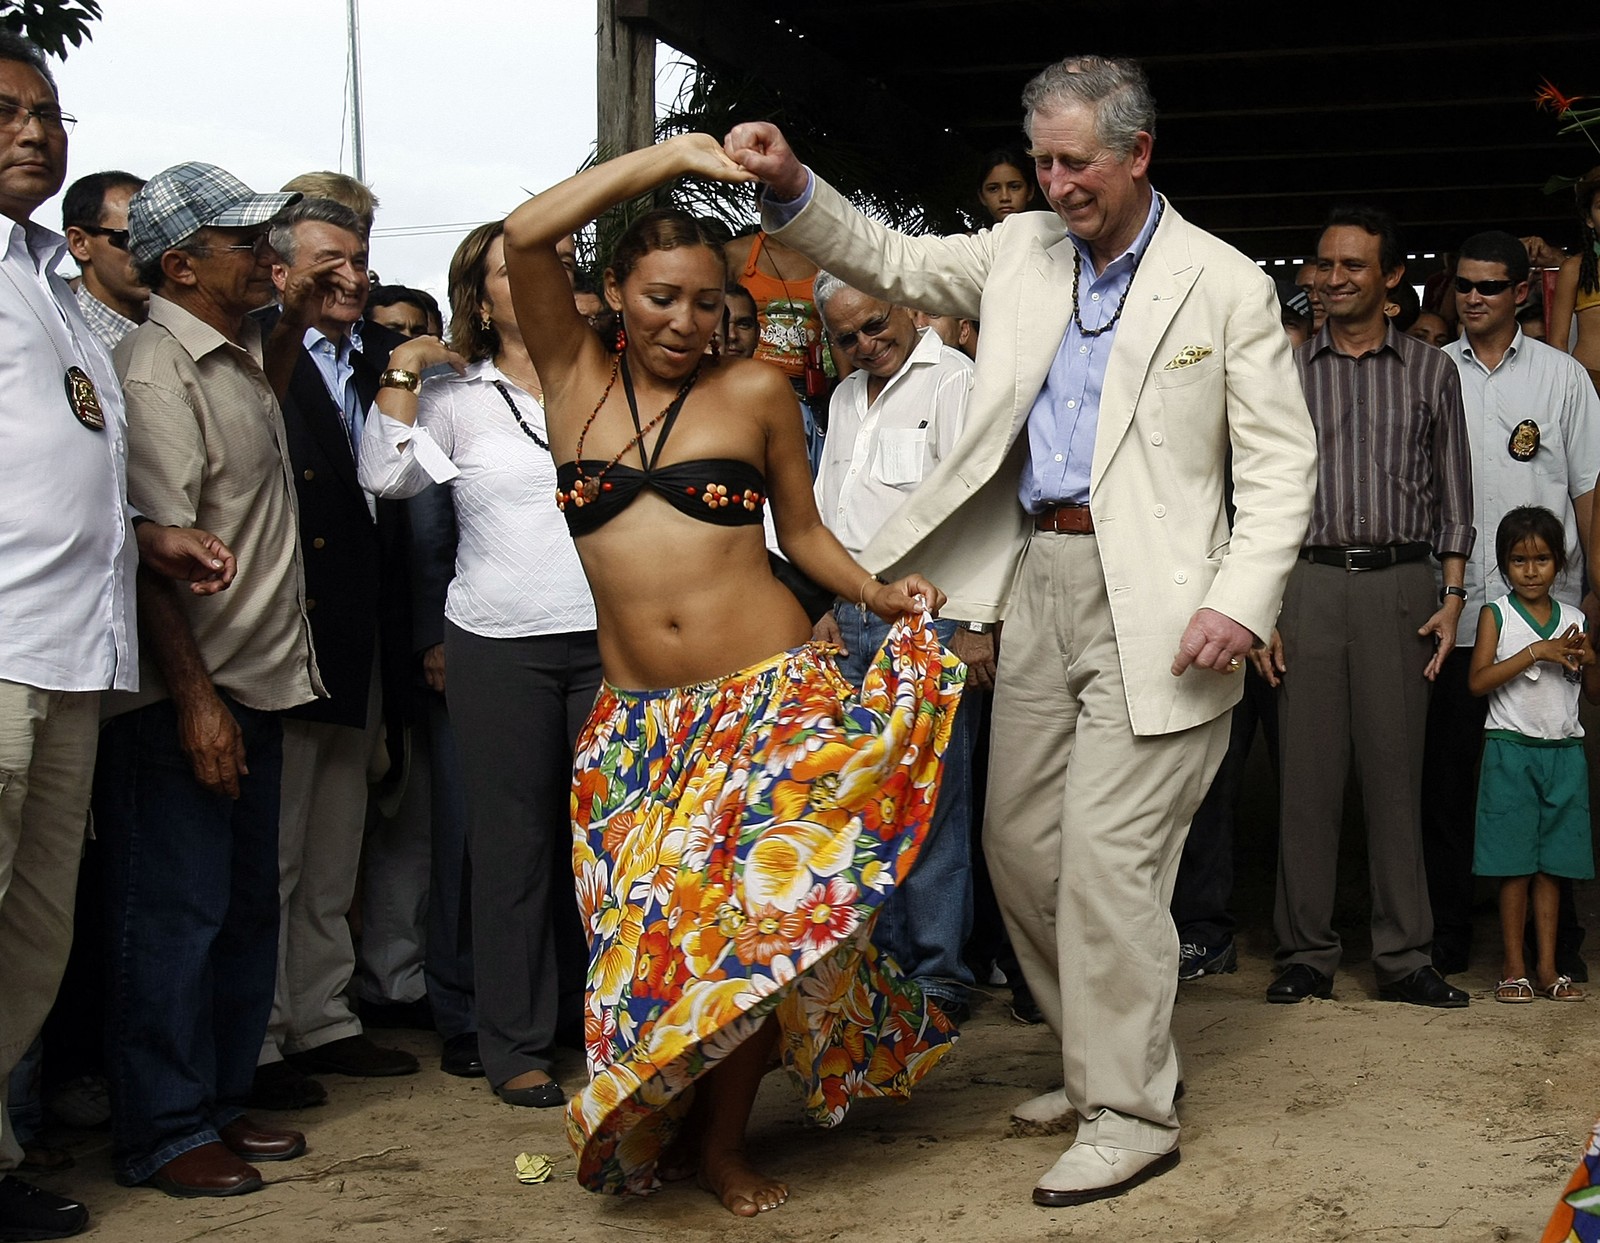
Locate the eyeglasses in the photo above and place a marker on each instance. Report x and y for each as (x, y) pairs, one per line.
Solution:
(872, 328)
(117, 237)
(261, 246)
(14, 117)
(1487, 288)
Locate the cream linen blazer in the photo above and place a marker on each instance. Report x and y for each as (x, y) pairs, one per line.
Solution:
(1201, 365)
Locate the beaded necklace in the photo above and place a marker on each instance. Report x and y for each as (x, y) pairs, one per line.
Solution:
(1077, 266)
(517, 415)
(586, 488)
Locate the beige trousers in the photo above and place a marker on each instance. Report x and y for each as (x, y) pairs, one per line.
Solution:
(47, 746)
(1083, 830)
(320, 826)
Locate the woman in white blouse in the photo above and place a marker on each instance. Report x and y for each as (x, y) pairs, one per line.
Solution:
(520, 652)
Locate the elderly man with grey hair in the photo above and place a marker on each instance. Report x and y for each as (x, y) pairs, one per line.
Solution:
(1125, 353)
(892, 420)
(353, 549)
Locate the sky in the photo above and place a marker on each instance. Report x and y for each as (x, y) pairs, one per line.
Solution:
(468, 107)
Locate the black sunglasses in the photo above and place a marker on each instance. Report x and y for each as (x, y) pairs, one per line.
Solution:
(117, 237)
(1487, 288)
(872, 328)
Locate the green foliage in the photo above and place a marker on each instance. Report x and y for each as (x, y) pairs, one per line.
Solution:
(52, 24)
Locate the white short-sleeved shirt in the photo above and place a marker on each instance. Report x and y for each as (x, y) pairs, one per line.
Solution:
(1541, 701)
(876, 454)
(1538, 384)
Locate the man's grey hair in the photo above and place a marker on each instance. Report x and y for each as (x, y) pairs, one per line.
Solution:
(323, 211)
(823, 288)
(1115, 88)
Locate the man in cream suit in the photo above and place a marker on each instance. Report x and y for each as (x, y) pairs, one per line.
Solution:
(1124, 354)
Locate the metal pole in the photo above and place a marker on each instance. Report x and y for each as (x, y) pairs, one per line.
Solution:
(357, 141)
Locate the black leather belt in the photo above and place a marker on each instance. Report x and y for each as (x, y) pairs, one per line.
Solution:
(1353, 559)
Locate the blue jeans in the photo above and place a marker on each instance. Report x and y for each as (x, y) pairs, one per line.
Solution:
(928, 918)
(192, 926)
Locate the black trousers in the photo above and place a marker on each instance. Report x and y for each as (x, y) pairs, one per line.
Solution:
(517, 706)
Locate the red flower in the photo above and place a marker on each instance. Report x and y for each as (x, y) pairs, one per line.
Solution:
(1549, 97)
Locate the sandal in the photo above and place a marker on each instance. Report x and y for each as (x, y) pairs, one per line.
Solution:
(1517, 992)
(1563, 990)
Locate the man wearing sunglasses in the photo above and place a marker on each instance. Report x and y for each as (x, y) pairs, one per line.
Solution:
(1533, 422)
(94, 216)
(1364, 627)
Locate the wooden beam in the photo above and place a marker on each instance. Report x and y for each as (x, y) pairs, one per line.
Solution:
(625, 81)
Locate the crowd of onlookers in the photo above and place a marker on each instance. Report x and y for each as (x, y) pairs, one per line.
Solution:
(325, 707)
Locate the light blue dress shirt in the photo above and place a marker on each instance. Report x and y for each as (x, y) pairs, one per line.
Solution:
(338, 374)
(1065, 414)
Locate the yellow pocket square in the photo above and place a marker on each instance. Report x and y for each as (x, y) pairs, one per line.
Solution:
(1188, 356)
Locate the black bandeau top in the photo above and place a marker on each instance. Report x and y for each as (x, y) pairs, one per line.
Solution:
(724, 491)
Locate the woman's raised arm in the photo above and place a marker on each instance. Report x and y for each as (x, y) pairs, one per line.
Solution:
(556, 335)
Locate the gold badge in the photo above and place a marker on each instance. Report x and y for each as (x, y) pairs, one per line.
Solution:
(85, 402)
(1188, 356)
(1524, 441)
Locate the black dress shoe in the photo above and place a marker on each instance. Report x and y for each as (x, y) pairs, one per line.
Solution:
(279, 1086)
(461, 1057)
(356, 1056)
(29, 1212)
(540, 1096)
(1297, 982)
(1424, 987)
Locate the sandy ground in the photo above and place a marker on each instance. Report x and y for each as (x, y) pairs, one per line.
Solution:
(1342, 1119)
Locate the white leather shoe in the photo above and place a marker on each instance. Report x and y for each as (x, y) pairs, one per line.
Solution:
(1042, 1114)
(1089, 1172)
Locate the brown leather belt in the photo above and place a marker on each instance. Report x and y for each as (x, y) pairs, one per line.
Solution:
(1067, 519)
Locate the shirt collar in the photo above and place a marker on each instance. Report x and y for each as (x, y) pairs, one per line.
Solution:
(1323, 343)
(199, 338)
(44, 246)
(315, 338)
(1127, 257)
(1512, 350)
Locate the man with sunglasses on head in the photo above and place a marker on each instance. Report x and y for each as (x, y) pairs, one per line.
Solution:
(187, 794)
(68, 543)
(94, 216)
(1533, 423)
(1364, 627)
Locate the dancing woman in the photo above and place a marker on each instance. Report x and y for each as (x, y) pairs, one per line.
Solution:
(739, 816)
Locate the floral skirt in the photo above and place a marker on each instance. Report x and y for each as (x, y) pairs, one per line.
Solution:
(1577, 1217)
(733, 843)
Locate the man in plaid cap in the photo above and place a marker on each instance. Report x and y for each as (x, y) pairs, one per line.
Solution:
(188, 788)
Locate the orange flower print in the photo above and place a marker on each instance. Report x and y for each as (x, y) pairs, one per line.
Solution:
(766, 936)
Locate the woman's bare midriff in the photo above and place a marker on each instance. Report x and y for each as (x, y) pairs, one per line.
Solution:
(682, 601)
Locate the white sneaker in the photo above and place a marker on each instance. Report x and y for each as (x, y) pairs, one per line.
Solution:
(1089, 1172)
(1052, 1110)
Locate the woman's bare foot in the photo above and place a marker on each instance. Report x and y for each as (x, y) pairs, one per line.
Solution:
(743, 1190)
(527, 1079)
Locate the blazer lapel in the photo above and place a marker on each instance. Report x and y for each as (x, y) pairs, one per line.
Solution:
(323, 417)
(1163, 281)
(1044, 309)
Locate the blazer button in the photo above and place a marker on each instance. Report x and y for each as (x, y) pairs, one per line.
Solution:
(309, 475)
(311, 604)
(1156, 438)
(319, 542)
(1180, 577)
(1161, 512)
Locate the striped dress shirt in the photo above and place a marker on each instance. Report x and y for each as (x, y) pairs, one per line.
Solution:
(1393, 462)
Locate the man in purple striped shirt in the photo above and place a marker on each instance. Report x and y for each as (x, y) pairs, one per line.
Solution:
(1362, 633)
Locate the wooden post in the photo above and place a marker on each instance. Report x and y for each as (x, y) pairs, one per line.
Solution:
(625, 79)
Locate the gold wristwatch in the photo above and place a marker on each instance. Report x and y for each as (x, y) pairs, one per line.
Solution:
(397, 377)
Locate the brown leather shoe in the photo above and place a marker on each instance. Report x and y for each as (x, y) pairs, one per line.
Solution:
(209, 1170)
(255, 1142)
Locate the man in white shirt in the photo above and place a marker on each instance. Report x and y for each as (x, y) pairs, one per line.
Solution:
(891, 421)
(66, 598)
(1533, 425)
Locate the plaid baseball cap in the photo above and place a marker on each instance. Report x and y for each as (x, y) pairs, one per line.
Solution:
(179, 201)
